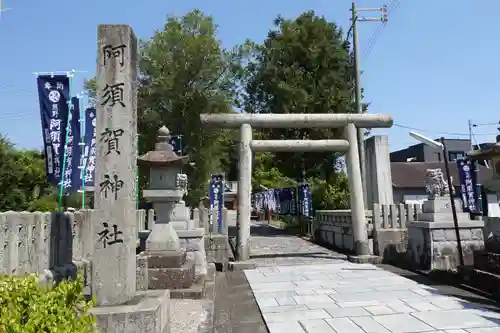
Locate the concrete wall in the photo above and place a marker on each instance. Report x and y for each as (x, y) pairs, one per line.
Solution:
(334, 228)
(386, 229)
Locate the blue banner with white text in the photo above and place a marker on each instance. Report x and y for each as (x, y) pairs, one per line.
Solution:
(72, 181)
(288, 203)
(53, 97)
(216, 196)
(176, 142)
(89, 148)
(305, 200)
(468, 185)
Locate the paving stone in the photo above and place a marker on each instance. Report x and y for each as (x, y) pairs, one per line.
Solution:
(376, 295)
(324, 291)
(313, 299)
(266, 301)
(315, 306)
(308, 284)
(447, 304)
(379, 309)
(351, 290)
(273, 286)
(402, 323)
(316, 326)
(295, 315)
(344, 325)
(347, 312)
(426, 291)
(358, 303)
(455, 319)
(284, 308)
(285, 300)
(275, 294)
(484, 330)
(285, 327)
(304, 292)
(399, 306)
(423, 306)
(369, 325)
(275, 278)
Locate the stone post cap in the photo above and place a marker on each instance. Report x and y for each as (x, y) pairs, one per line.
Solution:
(163, 134)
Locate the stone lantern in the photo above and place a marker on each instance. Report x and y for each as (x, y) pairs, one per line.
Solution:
(167, 186)
(174, 250)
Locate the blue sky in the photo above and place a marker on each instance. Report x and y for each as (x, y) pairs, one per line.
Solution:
(434, 66)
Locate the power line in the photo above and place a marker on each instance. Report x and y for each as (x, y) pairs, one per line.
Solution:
(390, 10)
(440, 133)
(486, 124)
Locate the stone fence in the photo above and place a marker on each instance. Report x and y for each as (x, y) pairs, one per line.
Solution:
(386, 227)
(43, 241)
(34, 242)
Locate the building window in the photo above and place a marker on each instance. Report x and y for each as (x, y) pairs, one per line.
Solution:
(456, 155)
(438, 157)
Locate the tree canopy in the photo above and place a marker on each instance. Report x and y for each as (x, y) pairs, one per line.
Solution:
(303, 66)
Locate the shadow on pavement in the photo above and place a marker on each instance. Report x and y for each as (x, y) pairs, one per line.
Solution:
(468, 297)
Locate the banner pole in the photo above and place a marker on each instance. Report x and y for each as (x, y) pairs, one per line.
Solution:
(82, 144)
(68, 122)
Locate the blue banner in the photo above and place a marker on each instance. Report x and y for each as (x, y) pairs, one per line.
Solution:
(216, 196)
(305, 201)
(88, 155)
(72, 181)
(53, 96)
(176, 142)
(468, 185)
(287, 201)
(277, 200)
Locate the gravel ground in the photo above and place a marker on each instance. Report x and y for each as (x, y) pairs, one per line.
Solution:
(186, 315)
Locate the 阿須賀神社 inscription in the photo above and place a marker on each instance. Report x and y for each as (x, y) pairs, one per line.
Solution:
(111, 184)
(114, 52)
(109, 237)
(112, 95)
(111, 138)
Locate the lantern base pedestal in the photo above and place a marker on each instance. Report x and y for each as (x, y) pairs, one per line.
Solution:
(148, 312)
(163, 237)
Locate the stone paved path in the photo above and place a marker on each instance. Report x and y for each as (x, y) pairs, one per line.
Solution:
(343, 297)
(270, 246)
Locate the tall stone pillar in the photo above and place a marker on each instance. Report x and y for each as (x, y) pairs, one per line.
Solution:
(114, 225)
(378, 165)
(244, 193)
(356, 193)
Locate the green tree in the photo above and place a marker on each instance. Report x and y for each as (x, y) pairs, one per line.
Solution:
(304, 66)
(22, 179)
(184, 71)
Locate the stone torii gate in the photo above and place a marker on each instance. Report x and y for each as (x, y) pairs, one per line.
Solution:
(350, 123)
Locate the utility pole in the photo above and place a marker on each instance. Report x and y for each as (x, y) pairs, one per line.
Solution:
(470, 134)
(2, 9)
(357, 95)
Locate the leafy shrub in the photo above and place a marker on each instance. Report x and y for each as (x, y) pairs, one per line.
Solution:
(28, 307)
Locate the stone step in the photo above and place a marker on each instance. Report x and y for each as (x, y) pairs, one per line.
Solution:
(200, 287)
(173, 277)
(165, 259)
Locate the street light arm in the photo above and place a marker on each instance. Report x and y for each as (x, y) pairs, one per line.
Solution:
(427, 141)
